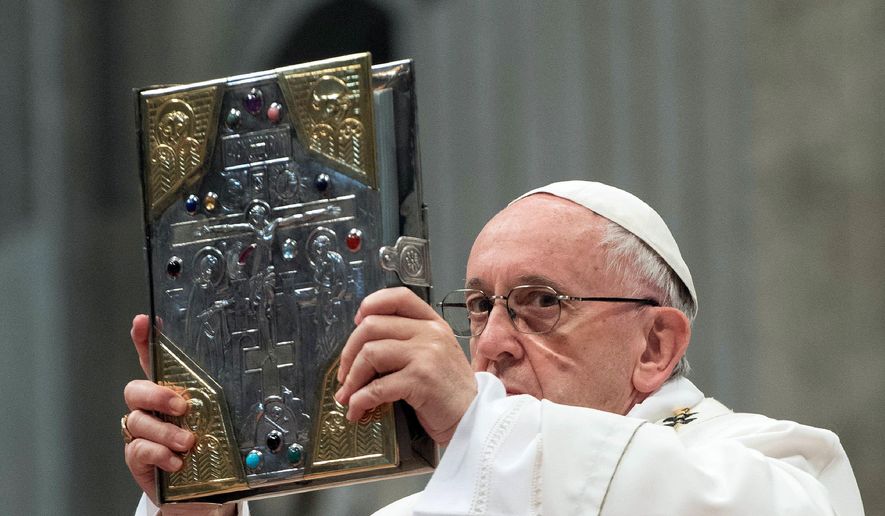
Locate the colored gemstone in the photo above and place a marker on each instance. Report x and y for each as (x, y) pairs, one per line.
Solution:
(234, 187)
(354, 240)
(173, 267)
(253, 459)
(275, 112)
(253, 101)
(210, 201)
(290, 249)
(191, 204)
(295, 453)
(233, 118)
(274, 441)
(322, 182)
(245, 253)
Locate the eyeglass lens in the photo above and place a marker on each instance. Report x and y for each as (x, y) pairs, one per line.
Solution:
(532, 309)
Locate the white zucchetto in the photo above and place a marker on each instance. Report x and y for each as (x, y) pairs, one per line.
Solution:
(628, 211)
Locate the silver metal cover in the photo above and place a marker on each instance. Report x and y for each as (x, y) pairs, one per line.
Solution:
(270, 202)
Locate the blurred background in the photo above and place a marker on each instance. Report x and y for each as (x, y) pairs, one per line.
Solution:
(755, 128)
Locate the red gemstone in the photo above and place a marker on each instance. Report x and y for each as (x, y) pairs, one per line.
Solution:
(245, 253)
(274, 112)
(354, 240)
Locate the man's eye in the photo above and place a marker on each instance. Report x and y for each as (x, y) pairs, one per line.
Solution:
(545, 300)
(479, 304)
(538, 299)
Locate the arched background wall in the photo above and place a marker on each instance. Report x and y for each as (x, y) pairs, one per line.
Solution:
(755, 129)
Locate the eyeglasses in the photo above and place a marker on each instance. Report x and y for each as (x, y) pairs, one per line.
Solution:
(531, 308)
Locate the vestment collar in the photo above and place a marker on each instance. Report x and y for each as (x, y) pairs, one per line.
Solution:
(676, 393)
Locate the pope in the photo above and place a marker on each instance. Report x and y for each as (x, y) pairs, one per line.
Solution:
(578, 307)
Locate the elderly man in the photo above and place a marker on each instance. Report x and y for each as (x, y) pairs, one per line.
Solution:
(578, 306)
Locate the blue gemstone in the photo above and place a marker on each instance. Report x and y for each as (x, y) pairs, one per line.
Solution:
(191, 204)
(322, 182)
(253, 459)
(290, 249)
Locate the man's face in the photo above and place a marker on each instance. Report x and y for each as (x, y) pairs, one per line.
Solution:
(588, 358)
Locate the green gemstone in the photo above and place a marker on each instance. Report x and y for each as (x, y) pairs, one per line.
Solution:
(295, 453)
(233, 118)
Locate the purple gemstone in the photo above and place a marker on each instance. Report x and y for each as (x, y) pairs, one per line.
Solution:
(253, 102)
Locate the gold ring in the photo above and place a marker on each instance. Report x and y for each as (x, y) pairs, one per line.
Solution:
(127, 437)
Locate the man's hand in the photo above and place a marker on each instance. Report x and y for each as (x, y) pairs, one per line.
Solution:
(402, 350)
(155, 442)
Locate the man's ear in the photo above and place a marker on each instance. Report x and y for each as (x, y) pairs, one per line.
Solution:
(667, 336)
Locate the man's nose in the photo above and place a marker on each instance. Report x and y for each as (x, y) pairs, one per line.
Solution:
(499, 338)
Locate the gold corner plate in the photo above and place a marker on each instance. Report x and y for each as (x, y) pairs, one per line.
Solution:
(330, 104)
(345, 447)
(213, 465)
(180, 129)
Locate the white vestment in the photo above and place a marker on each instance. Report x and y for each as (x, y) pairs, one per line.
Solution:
(519, 456)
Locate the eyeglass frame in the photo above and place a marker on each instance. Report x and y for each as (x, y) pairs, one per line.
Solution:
(511, 314)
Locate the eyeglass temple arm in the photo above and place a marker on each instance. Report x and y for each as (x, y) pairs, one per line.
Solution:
(443, 305)
(650, 302)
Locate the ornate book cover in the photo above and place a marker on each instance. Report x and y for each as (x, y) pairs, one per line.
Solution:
(274, 202)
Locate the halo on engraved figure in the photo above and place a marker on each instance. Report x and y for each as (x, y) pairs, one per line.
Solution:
(176, 122)
(197, 414)
(320, 242)
(208, 267)
(330, 97)
(257, 212)
(285, 182)
(234, 192)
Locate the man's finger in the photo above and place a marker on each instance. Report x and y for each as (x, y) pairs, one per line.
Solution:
(385, 389)
(395, 301)
(376, 358)
(139, 333)
(143, 455)
(143, 425)
(373, 327)
(146, 395)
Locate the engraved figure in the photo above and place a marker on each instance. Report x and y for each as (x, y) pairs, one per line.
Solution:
(278, 409)
(341, 440)
(330, 278)
(334, 133)
(204, 462)
(176, 152)
(262, 281)
(206, 325)
(283, 414)
(264, 230)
